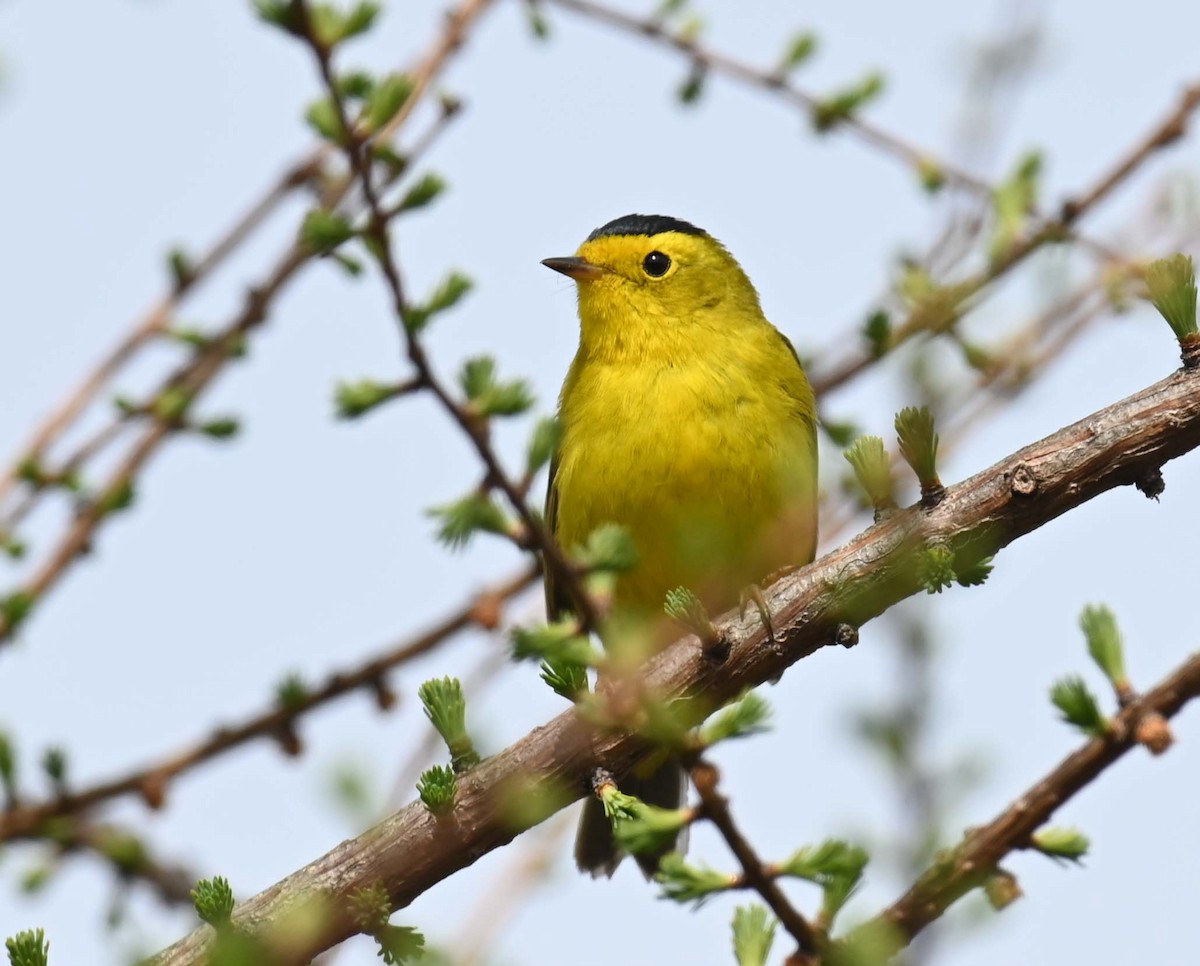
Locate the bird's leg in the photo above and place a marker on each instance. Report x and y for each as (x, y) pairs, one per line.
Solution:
(753, 594)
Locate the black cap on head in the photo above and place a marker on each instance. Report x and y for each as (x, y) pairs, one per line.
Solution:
(644, 225)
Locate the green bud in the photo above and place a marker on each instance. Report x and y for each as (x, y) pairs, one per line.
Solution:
(918, 443)
(565, 678)
(1171, 283)
(1104, 643)
(13, 547)
(682, 882)
(1013, 201)
(609, 549)
(935, 568)
(213, 900)
(651, 829)
(975, 574)
(931, 175)
(225, 427)
(324, 230)
(118, 497)
(422, 192)
(799, 50)
(837, 108)
(356, 85)
(1001, 889)
(171, 404)
(400, 944)
(322, 117)
(386, 99)
(181, 267)
(753, 935)
(489, 397)
(371, 907)
(749, 715)
(835, 865)
(446, 708)
(557, 643)
(30, 471)
(36, 878)
(1078, 706)
(877, 330)
(8, 766)
(125, 851)
(352, 399)
(14, 609)
(539, 26)
(445, 296)
(292, 693)
(28, 948)
(1068, 844)
(873, 470)
(437, 787)
(54, 764)
(693, 85)
(841, 433)
(687, 609)
(461, 520)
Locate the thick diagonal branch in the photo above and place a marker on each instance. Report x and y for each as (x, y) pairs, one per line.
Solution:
(413, 850)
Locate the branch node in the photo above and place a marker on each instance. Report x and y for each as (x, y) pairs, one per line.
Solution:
(846, 635)
(1189, 351)
(600, 779)
(1023, 482)
(1154, 732)
(1151, 484)
(153, 789)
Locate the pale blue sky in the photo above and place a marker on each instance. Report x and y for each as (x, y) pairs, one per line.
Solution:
(130, 126)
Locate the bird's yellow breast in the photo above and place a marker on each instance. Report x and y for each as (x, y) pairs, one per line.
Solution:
(708, 459)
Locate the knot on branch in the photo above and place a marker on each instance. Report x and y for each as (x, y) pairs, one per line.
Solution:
(1023, 482)
(1152, 484)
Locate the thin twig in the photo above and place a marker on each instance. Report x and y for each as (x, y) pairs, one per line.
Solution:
(536, 536)
(276, 722)
(1165, 132)
(756, 875)
(985, 847)
(209, 361)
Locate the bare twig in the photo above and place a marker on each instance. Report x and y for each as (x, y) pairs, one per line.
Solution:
(536, 536)
(414, 849)
(155, 320)
(1166, 132)
(209, 361)
(970, 863)
(756, 874)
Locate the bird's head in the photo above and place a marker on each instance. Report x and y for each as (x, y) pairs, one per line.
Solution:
(651, 279)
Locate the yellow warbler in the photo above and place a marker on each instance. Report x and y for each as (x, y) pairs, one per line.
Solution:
(688, 420)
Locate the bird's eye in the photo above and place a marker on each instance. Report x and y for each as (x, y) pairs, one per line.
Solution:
(656, 264)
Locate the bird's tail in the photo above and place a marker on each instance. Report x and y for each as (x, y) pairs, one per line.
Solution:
(597, 852)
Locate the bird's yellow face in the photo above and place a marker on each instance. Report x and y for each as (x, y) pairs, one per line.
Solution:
(648, 282)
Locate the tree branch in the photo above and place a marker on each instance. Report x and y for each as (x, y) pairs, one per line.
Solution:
(969, 865)
(276, 722)
(755, 874)
(413, 850)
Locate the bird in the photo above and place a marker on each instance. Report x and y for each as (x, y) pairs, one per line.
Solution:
(687, 419)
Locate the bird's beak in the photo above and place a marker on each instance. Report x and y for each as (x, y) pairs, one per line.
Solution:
(579, 269)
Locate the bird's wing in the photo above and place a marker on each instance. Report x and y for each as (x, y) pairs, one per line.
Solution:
(557, 602)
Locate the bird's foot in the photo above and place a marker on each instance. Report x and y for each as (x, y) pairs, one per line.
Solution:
(753, 594)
